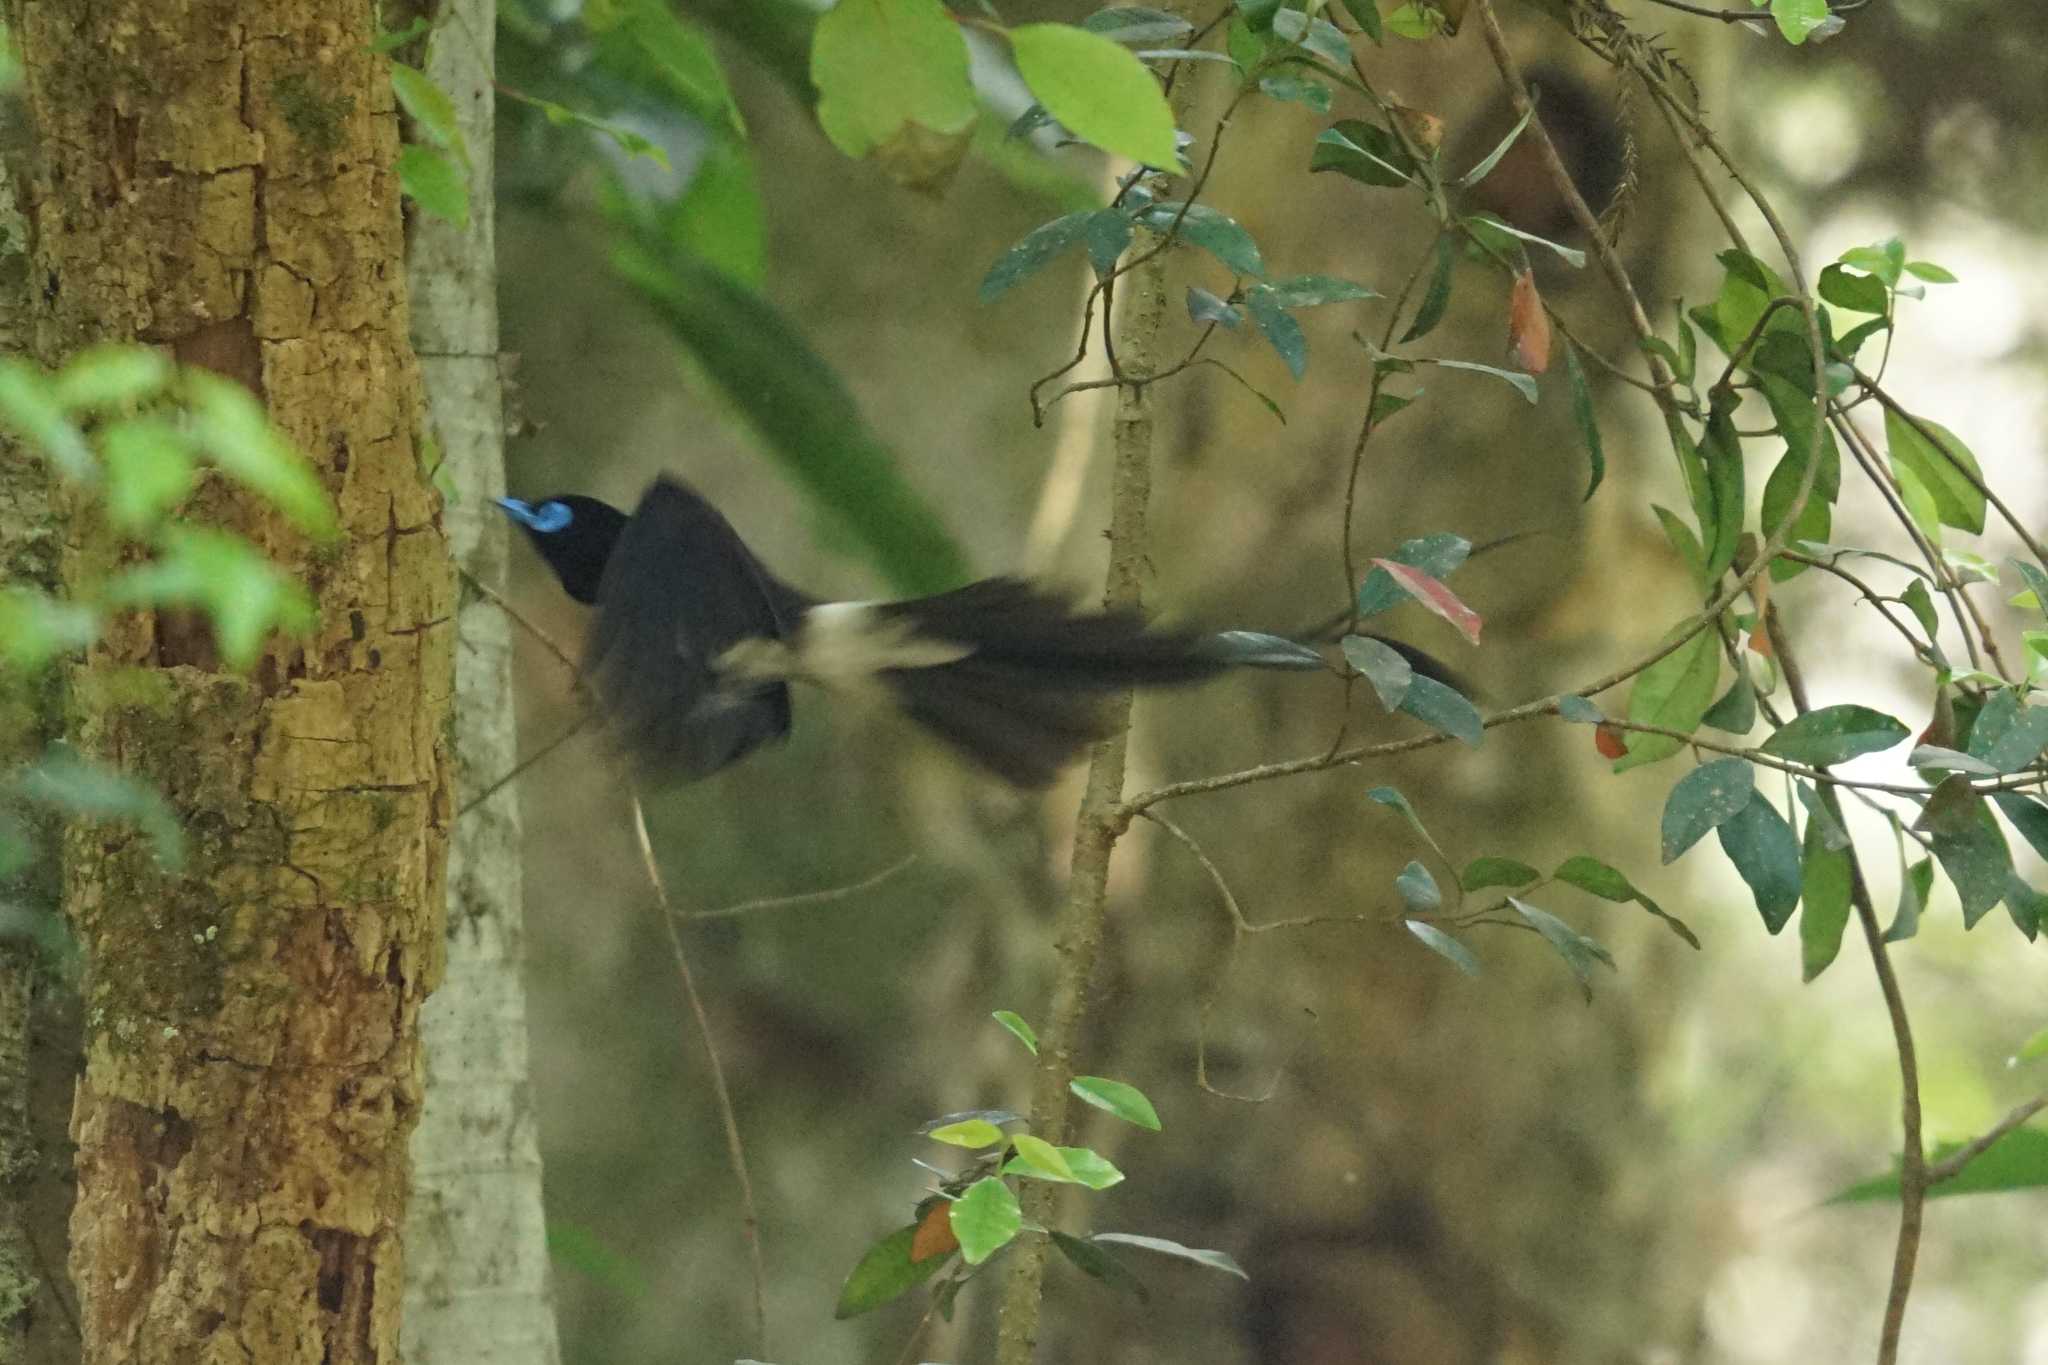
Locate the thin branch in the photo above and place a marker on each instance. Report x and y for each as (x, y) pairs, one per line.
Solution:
(1951, 1166)
(736, 1152)
(519, 769)
(802, 899)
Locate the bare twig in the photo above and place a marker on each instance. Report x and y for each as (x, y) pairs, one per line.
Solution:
(736, 1153)
(802, 899)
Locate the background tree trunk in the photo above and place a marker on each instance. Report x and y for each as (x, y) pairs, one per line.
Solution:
(217, 179)
(476, 1245)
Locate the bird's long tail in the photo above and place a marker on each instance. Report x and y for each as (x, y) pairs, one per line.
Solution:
(1029, 694)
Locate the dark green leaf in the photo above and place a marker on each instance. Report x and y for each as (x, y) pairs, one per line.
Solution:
(2017, 1161)
(1092, 1261)
(1920, 602)
(885, 1273)
(1214, 1260)
(1914, 888)
(985, 1219)
(1767, 855)
(1443, 709)
(1524, 384)
(2036, 581)
(2028, 907)
(1213, 232)
(1825, 877)
(1106, 234)
(1309, 291)
(2028, 816)
(1417, 890)
(1705, 799)
(1127, 1102)
(1857, 293)
(1588, 423)
(1204, 306)
(805, 417)
(1835, 734)
(1138, 25)
(1364, 152)
(1444, 946)
(1492, 158)
(1735, 713)
(1578, 710)
(1972, 851)
(1481, 873)
(1437, 297)
(1390, 674)
(683, 57)
(1721, 520)
(1257, 649)
(1493, 231)
(1367, 13)
(1038, 247)
(1597, 878)
(1578, 951)
(1279, 328)
(1318, 36)
(1296, 89)
(2009, 735)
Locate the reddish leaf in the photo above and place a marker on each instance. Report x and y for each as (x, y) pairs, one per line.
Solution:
(1435, 596)
(1760, 640)
(1609, 741)
(934, 1236)
(1529, 325)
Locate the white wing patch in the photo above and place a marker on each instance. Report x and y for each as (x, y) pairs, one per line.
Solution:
(840, 643)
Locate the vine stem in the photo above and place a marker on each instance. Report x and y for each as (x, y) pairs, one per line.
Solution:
(1078, 941)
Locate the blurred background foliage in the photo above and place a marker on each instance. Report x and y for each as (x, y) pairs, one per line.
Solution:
(1449, 1169)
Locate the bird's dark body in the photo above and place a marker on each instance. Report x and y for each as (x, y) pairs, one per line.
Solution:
(695, 643)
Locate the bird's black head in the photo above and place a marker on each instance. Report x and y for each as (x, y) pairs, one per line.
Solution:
(574, 534)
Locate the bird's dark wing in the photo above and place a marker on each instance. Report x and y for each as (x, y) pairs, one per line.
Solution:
(679, 590)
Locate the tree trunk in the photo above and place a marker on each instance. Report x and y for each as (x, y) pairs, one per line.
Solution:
(477, 1262)
(218, 179)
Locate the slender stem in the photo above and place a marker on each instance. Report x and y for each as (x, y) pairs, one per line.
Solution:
(1951, 1166)
(735, 1149)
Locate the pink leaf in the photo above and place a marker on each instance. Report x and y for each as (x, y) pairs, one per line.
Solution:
(1435, 596)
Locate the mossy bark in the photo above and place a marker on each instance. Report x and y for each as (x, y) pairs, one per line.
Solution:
(217, 179)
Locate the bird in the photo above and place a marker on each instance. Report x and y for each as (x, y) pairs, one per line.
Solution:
(694, 644)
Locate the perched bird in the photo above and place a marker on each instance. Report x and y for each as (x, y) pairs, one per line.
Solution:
(695, 642)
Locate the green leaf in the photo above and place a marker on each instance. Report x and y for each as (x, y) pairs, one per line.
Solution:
(1523, 384)
(1578, 951)
(1093, 1261)
(2028, 907)
(1014, 1022)
(892, 80)
(1214, 1260)
(149, 470)
(1418, 890)
(1495, 232)
(29, 408)
(804, 416)
(1040, 1158)
(1596, 878)
(1213, 232)
(2007, 734)
(1318, 36)
(34, 628)
(1914, 888)
(246, 596)
(1720, 451)
(1930, 272)
(985, 1219)
(1311, 291)
(1835, 734)
(1415, 21)
(688, 65)
(1279, 328)
(1443, 709)
(2037, 584)
(2033, 1050)
(1100, 91)
(1367, 13)
(233, 429)
(1038, 247)
(1674, 693)
(1583, 415)
(1438, 554)
(1127, 1102)
(63, 780)
(1883, 259)
(1705, 799)
(1257, 649)
(969, 1133)
(2017, 1161)
(1798, 18)
(1735, 713)
(112, 375)
(1816, 518)
(1107, 233)
(1767, 855)
(429, 108)
(1684, 543)
(1444, 946)
(1290, 88)
(1856, 293)
(719, 218)
(433, 181)
(1958, 500)
(1390, 674)
(1090, 1168)
(1437, 297)
(1825, 878)
(1364, 152)
(1204, 306)
(885, 1273)
(1139, 25)
(1481, 873)
(1971, 850)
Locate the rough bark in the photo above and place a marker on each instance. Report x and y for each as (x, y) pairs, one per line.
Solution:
(476, 1261)
(217, 179)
